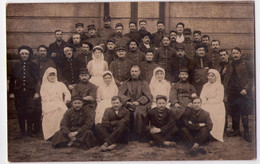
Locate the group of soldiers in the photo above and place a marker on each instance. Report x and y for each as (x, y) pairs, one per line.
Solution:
(132, 58)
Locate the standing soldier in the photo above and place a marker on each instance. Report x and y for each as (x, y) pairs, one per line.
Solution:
(80, 31)
(106, 32)
(56, 48)
(157, 36)
(133, 34)
(120, 39)
(189, 45)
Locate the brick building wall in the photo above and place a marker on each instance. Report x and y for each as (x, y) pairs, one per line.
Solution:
(33, 24)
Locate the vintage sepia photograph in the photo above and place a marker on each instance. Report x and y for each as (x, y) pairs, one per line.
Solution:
(131, 81)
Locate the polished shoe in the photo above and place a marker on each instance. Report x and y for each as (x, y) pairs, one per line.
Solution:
(111, 147)
(247, 137)
(151, 143)
(194, 150)
(104, 147)
(202, 150)
(169, 144)
(233, 134)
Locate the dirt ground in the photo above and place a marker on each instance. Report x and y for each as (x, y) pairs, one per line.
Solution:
(37, 150)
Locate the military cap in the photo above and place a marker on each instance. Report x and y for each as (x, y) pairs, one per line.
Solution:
(120, 48)
(91, 26)
(111, 40)
(83, 71)
(197, 31)
(183, 69)
(98, 48)
(88, 43)
(76, 98)
(119, 24)
(161, 97)
(70, 46)
(147, 34)
(107, 19)
(180, 46)
(186, 31)
(79, 24)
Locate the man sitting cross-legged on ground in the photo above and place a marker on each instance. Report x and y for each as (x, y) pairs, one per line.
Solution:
(162, 127)
(197, 128)
(76, 127)
(114, 126)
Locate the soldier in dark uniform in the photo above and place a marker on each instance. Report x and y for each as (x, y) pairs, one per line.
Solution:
(120, 39)
(197, 128)
(76, 40)
(146, 42)
(133, 34)
(213, 55)
(222, 68)
(197, 37)
(22, 88)
(157, 36)
(164, 56)
(56, 48)
(76, 127)
(107, 32)
(180, 61)
(189, 45)
(93, 37)
(173, 36)
(161, 127)
(80, 31)
(237, 85)
(148, 65)
(142, 30)
(110, 55)
(199, 68)
(181, 95)
(121, 66)
(86, 90)
(205, 40)
(115, 125)
(134, 54)
(85, 55)
(69, 67)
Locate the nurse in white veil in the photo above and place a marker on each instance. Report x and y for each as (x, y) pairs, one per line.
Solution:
(212, 96)
(54, 95)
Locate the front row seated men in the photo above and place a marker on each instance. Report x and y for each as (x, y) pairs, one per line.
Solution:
(114, 126)
(76, 127)
(197, 127)
(161, 126)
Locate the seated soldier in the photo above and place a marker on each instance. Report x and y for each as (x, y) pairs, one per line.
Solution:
(114, 126)
(180, 96)
(161, 126)
(136, 94)
(76, 127)
(86, 90)
(197, 128)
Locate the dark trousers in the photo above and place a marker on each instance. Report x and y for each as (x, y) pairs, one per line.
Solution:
(239, 107)
(159, 138)
(117, 135)
(200, 136)
(24, 105)
(37, 115)
(85, 139)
